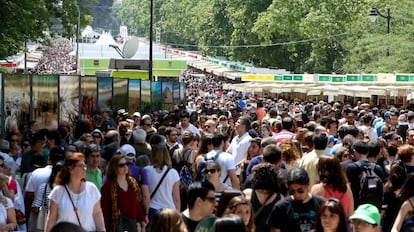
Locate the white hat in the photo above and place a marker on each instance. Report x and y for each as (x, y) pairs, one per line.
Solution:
(127, 150)
(137, 114)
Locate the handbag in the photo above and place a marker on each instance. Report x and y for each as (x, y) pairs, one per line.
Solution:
(40, 219)
(127, 224)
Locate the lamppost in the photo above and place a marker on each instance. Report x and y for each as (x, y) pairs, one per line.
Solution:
(150, 40)
(374, 13)
(77, 36)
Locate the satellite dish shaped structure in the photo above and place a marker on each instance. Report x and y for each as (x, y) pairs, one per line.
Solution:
(130, 47)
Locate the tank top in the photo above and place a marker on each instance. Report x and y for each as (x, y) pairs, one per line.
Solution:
(341, 196)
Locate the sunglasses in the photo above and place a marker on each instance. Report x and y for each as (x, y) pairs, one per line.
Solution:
(206, 126)
(210, 199)
(299, 191)
(212, 171)
(97, 136)
(397, 138)
(121, 165)
(2, 165)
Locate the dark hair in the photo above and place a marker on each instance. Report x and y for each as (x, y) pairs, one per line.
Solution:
(55, 170)
(407, 189)
(320, 140)
(218, 138)
(331, 173)
(287, 123)
(66, 227)
(245, 121)
(397, 176)
(272, 154)
(265, 176)
(229, 223)
(374, 149)
(297, 176)
(198, 189)
(54, 134)
(335, 207)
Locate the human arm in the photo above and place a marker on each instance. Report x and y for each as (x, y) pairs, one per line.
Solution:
(98, 217)
(233, 177)
(145, 198)
(176, 195)
(272, 229)
(11, 220)
(405, 208)
(350, 209)
(28, 200)
(52, 215)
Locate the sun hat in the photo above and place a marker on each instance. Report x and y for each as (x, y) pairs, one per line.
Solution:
(368, 213)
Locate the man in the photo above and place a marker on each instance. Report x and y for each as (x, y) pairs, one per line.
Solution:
(36, 146)
(366, 218)
(139, 143)
(369, 132)
(310, 161)
(241, 142)
(286, 132)
(112, 142)
(201, 203)
(53, 139)
(410, 136)
(39, 177)
(107, 122)
(209, 126)
(93, 157)
(297, 211)
(186, 125)
(225, 160)
(353, 170)
(171, 134)
(137, 119)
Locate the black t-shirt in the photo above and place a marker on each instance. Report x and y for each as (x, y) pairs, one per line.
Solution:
(191, 225)
(353, 171)
(292, 216)
(261, 220)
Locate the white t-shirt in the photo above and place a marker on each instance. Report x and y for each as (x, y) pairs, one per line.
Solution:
(238, 148)
(84, 202)
(39, 176)
(163, 198)
(3, 210)
(226, 162)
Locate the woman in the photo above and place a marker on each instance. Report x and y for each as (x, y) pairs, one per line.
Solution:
(241, 207)
(229, 223)
(265, 130)
(290, 154)
(73, 199)
(160, 174)
(206, 146)
(7, 211)
(44, 190)
(98, 138)
(121, 197)
(212, 172)
(391, 204)
(407, 208)
(333, 183)
(331, 217)
(168, 220)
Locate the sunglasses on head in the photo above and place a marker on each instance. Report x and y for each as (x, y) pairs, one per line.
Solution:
(299, 191)
(121, 165)
(212, 171)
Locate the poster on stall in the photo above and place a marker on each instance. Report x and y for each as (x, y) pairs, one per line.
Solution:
(105, 93)
(134, 96)
(88, 96)
(156, 96)
(16, 101)
(167, 96)
(120, 99)
(68, 99)
(45, 99)
(176, 93)
(182, 92)
(145, 96)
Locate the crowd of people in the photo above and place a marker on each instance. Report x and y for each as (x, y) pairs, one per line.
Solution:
(57, 58)
(221, 162)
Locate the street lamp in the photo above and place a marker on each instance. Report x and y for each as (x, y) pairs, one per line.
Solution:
(374, 13)
(77, 37)
(150, 40)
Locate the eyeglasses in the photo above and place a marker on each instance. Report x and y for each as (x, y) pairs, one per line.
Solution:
(97, 136)
(212, 171)
(299, 191)
(81, 166)
(397, 138)
(210, 199)
(25, 145)
(121, 165)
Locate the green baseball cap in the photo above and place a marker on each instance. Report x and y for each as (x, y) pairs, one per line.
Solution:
(368, 213)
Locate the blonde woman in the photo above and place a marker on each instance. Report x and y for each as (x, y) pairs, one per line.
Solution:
(73, 199)
(7, 212)
(241, 206)
(168, 220)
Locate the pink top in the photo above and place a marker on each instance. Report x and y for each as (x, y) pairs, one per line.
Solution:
(341, 196)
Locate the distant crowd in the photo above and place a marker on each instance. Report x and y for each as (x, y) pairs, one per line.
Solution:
(57, 58)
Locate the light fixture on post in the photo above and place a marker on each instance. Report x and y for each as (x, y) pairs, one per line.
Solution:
(150, 40)
(374, 13)
(77, 38)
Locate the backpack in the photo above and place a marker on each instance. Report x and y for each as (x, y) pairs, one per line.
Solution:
(183, 168)
(370, 186)
(203, 163)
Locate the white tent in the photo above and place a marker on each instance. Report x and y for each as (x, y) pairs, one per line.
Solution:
(89, 32)
(105, 39)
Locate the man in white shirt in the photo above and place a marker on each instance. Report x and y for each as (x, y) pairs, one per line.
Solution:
(241, 142)
(186, 125)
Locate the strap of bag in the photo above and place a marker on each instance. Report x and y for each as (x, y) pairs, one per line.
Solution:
(74, 208)
(225, 179)
(44, 203)
(260, 209)
(159, 183)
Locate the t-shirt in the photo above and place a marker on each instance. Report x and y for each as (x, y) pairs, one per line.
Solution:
(261, 220)
(84, 202)
(191, 224)
(292, 216)
(3, 210)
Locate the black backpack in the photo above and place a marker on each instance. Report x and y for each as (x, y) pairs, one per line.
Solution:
(370, 186)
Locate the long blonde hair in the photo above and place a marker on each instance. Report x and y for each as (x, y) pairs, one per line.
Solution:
(168, 220)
